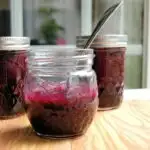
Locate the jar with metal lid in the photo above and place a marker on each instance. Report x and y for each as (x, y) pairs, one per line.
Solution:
(109, 64)
(12, 73)
(60, 91)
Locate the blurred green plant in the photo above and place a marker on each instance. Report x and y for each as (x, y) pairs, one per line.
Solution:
(49, 28)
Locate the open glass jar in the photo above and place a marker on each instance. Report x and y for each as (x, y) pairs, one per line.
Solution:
(60, 91)
(109, 67)
(12, 72)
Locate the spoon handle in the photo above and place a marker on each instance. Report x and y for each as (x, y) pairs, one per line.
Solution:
(107, 14)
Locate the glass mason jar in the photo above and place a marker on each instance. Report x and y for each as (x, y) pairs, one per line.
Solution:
(12, 73)
(60, 91)
(109, 64)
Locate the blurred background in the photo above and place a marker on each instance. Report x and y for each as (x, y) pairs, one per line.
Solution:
(58, 22)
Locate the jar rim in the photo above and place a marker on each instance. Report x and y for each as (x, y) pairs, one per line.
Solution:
(104, 35)
(105, 40)
(58, 48)
(14, 43)
(14, 40)
(60, 52)
(65, 57)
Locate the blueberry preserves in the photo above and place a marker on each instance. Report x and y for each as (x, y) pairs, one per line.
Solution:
(12, 74)
(57, 115)
(109, 67)
(60, 94)
(109, 63)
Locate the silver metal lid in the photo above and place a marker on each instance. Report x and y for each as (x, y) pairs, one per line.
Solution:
(14, 43)
(110, 40)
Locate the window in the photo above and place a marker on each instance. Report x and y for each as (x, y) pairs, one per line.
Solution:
(128, 20)
(75, 17)
(52, 22)
(4, 18)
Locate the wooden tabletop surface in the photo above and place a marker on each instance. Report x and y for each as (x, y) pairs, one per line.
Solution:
(127, 128)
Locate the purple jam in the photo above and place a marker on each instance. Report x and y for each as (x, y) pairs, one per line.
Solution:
(109, 68)
(12, 73)
(55, 111)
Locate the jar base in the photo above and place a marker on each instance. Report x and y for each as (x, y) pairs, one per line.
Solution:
(11, 116)
(49, 136)
(108, 108)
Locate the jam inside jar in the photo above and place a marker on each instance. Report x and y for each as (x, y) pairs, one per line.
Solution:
(109, 67)
(109, 63)
(60, 94)
(12, 74)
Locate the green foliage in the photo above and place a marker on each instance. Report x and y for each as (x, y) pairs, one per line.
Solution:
(49, 28)
(48, 12)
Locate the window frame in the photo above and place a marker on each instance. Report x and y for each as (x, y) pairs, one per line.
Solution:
(16, 18)
(86, 17)
(146, 46)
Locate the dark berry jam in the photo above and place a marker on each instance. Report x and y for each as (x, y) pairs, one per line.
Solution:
(109, 67)
(59, 112)
(12, 73)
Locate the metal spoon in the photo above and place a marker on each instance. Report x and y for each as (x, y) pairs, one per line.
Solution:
(107, 14)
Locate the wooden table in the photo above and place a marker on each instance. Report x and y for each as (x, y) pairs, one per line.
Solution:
(127, 128)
